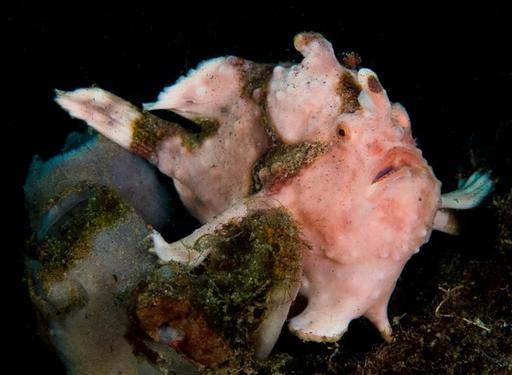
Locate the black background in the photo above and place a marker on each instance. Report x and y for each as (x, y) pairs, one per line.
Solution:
(448, 67)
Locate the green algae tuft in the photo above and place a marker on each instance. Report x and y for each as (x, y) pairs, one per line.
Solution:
(227, 296)
(149, 130)
(348, 90)
(192, 140)
(232, 286)
(58, 250)
(284, 161)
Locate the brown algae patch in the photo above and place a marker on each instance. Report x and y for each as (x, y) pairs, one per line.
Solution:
(192, 140)
(201, 344)
(261, 252)
(257, 76)
(284, 161)
(227, 296)
(255, 80)
(58, 251)
(149, 130)
(348, 90)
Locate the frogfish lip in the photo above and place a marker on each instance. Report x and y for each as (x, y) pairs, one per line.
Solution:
(398, 162)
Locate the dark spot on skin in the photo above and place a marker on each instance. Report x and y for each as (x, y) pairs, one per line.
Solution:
(374, 85)
(255, 76)
(341, 132)
(149, 130)
(348, 90)
(282, 162)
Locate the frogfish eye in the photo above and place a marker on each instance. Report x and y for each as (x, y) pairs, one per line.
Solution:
(342, 131)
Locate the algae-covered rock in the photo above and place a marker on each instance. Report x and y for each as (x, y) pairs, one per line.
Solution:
(89, 216)
(231, 308)
(93, 160)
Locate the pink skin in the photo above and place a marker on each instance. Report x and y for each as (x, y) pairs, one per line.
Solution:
(212, 177)
(364, 206)
(359, 243)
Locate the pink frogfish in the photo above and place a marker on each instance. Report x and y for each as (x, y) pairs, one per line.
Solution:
(317, 138)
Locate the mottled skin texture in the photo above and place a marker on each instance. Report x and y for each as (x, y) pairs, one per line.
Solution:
(364, 206)
(358, 245)
(209, 177)
(214, 176)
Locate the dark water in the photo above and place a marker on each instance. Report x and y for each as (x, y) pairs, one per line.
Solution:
(449, 68)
